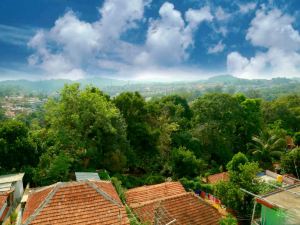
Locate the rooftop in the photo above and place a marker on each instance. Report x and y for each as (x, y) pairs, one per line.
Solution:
(152, 192)
(11, 178)
(287, 199)
(86, 176)
(82, 202)
(168, 202)
(3, 198)
(7, 180)
(215, 178)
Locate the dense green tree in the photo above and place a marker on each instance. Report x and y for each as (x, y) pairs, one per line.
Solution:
(215, 122)
(290, 162)
(267, 147)
(142, 137)
(17, 149)
(52, 168)
(284, 109)
(86, 126)
(242, 175)
(297, 138)
(237, 160)
(185, 163)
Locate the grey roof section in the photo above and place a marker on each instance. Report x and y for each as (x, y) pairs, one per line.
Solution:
(10, 178)
(6, 181)
(86, 176)
(288, 199)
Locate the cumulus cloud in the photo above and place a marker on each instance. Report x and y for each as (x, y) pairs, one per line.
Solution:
(170, 36)
(219, 47)
(221, 14)
(273, 31)
(73, 45)
(247, 7)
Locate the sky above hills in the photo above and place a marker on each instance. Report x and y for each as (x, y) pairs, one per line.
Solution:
(149, 40)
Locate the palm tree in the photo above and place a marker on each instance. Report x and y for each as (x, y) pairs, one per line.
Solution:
(267, 147)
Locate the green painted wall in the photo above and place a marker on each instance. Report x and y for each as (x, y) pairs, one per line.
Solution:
(272, 216)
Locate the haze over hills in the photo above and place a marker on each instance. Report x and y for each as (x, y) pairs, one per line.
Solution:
(221, 83)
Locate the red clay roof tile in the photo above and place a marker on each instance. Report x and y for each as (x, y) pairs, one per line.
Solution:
(3, 198)
(151, 192)
(215, 178)
(84, 202)
(168, 201)
(186, 209)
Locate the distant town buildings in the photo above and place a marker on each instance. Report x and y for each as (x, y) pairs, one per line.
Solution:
(14, 105)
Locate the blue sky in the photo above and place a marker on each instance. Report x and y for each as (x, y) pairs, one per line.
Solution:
(149, 40)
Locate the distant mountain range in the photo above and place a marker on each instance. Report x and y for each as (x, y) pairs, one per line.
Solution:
(113, 86)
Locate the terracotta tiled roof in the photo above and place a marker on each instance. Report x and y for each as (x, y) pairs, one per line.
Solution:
(3, 198)
(84, 202)
(4, 214)
(152, 192)
(186, 209)
(215, 178)
(169, 201)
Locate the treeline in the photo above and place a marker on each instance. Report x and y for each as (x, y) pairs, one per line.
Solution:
(142, 141)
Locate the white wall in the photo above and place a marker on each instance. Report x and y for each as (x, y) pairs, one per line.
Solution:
(18, 193)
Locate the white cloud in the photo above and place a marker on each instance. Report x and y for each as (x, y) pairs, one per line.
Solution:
(219, 47)
(72, 45)
(169, 37)
(195, 17)
(247, 7)
(236, 63)
(273, 31)
(15, 35)
(221, 15)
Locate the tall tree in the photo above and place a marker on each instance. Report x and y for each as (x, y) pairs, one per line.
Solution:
(17, 149)
(267, 147)
(85, 125)
(142, 137)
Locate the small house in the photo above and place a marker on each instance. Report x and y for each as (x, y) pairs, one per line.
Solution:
(169, 203)
(281, 207)
(70, 203)
(11, 192)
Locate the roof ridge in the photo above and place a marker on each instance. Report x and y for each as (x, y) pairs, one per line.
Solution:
(152, 186)
(103, 193)
(43, 203)
(134, 205)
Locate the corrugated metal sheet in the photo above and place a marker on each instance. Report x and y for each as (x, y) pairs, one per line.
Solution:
(86, 176)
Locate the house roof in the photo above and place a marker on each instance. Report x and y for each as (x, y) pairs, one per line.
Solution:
(215, 178)
(152, 192)
(287, 199)
(169, 201)
(6, 181)
(86, 176)
(9, 178)
(3, 198)
(185, 209)
(82, 202)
